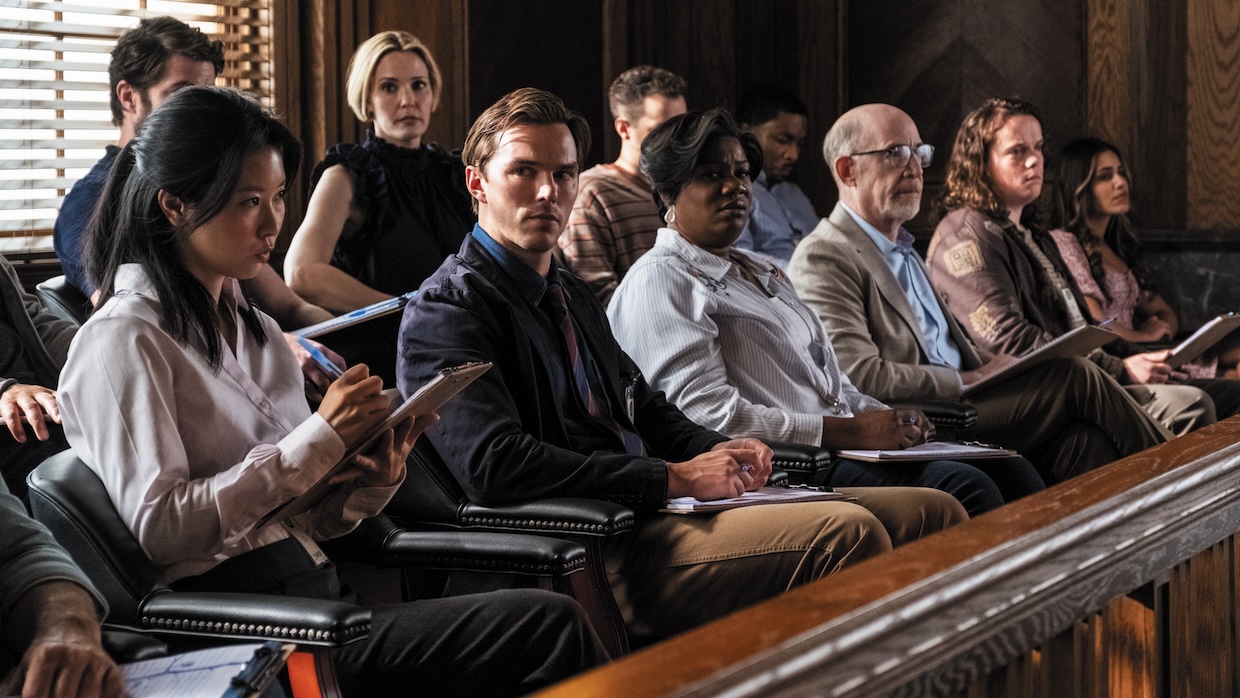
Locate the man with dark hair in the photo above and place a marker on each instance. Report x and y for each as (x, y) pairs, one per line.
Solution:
(782, 214)
(564, 413)
(615, 218)
(151, 61)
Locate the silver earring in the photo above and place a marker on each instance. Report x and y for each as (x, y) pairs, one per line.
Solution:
(670, 216)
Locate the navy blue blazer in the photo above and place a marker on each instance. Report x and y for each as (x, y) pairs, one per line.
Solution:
(504, 436)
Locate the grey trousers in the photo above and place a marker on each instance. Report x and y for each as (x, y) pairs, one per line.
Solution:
(1068, 417)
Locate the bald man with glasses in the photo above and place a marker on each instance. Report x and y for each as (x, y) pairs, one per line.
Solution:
(897, 341)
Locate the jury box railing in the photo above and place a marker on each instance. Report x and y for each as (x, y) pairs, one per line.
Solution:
(1120, 582)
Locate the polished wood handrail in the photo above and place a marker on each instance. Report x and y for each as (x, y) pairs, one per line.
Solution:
(931, 616)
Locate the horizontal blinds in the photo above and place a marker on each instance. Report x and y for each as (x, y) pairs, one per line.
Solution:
(54, 113)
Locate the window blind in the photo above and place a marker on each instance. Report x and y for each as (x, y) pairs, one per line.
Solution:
(54, 113)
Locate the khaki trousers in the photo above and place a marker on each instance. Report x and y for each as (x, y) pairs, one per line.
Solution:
(675, 572)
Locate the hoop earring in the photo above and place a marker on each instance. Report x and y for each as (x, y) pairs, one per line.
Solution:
(670, 216)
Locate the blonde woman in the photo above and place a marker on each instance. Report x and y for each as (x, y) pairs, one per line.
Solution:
(384, 213)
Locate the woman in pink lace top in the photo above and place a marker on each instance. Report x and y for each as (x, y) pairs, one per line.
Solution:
(1101, 251)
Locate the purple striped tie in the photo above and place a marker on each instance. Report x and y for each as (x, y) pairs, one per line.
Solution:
(633, 444)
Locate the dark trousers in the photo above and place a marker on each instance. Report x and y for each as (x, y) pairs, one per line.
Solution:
(501, 643)
(980, 485)
(1224, 392)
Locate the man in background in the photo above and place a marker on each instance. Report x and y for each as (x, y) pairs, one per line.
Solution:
(614, 219)
(151, 62)
(782, 213)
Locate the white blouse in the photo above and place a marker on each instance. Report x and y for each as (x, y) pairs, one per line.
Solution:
(193, 458)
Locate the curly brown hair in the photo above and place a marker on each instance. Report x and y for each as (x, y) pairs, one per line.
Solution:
(968, 182)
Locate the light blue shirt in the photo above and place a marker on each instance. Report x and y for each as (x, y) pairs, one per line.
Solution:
(907, 267)
(782, 215)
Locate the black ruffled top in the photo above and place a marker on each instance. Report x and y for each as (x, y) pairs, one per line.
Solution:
(417, 211)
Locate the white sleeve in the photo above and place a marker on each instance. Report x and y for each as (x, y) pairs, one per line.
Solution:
(117, 395)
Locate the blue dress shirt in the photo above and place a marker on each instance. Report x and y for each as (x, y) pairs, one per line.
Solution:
(782, 215)
(904, 263)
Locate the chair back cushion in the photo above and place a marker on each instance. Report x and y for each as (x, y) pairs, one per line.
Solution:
(430, 493)
(63, 300)
(68, 498)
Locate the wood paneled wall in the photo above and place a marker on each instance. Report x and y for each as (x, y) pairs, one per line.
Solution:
(1160, 78)
(1213, 113)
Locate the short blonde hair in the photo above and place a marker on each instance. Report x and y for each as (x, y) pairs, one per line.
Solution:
(361, 73)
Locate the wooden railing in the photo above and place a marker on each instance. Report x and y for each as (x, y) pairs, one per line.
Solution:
(1120, 582)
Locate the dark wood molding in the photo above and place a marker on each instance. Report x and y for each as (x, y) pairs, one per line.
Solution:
(932, 616)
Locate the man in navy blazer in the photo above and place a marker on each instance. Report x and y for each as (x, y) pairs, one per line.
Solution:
(565, 413)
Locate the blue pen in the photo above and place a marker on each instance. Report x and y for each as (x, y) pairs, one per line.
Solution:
(320, 358)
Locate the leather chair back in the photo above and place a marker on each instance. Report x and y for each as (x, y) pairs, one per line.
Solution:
(63, 300)
(430, 493)
(68, 498)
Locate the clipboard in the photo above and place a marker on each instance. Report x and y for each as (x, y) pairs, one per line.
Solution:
(1203, 339)
(355, 317)
(1077, 342)
(933, 450)
(438, 390)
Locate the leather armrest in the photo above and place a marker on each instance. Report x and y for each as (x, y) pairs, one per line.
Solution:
(255, 617)
(561, 515)
(378, 541)
(485, 551)
(778, 478)
(801, 461)
(944, 413)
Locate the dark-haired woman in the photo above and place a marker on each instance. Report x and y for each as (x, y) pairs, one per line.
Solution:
(722, 332)
(195, 421)
(1103, 255)
(384, 213)
(999, 271)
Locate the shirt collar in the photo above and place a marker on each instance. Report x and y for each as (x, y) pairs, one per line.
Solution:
(710, 264)
(763, 180)
(131, 277)
(904, 239)
(528, 282)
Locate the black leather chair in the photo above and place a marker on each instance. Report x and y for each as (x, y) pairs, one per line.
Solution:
(70, 500)
(63, 300)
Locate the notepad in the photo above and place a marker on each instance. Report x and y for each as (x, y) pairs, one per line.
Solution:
(1077, 342)
(1203, 339)
(354, 317)
(765, 495)
(934, 450)
(210, 673)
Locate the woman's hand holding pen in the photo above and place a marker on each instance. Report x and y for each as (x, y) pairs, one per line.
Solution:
(355, 403)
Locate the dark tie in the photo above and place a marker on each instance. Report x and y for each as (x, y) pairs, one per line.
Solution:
(597, 410)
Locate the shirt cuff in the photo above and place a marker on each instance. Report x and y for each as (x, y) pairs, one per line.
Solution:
(365, 502)
(315, 446)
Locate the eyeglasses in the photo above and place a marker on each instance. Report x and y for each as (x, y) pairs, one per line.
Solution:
(899, 155)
